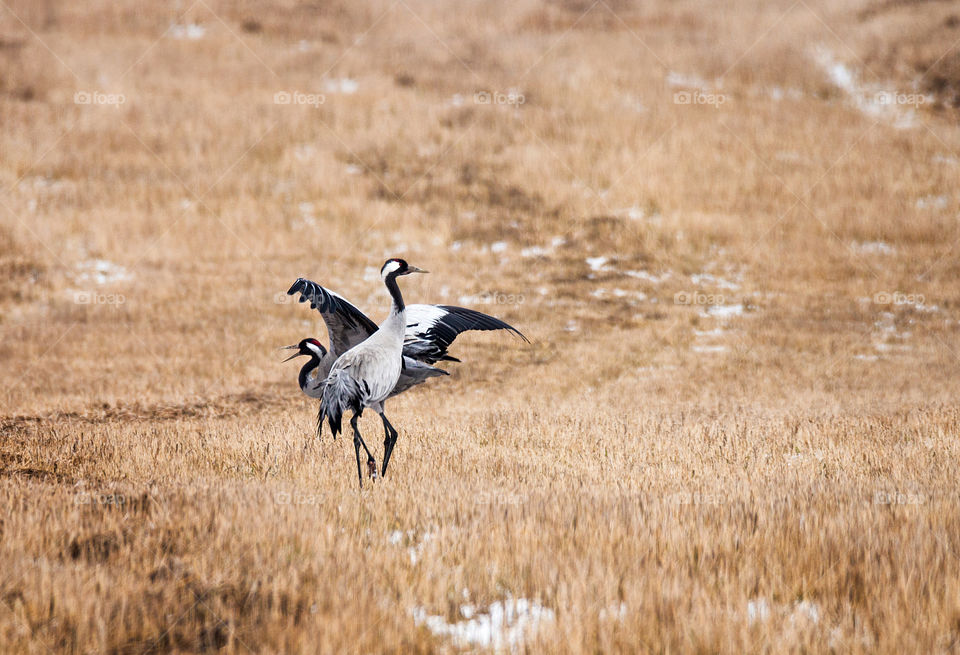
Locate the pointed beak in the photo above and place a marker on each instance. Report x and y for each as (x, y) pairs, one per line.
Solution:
(293, 347)
(414, 269)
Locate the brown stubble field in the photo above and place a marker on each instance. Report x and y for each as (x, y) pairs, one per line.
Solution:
(734, 429)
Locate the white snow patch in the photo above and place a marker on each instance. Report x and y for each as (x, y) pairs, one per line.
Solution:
(534, 251)
(777, 93)
(504, 624)
(686, 80)
(634, 213)
(705, 279)
(873, 248)
(758, 609)
(100, 271)
(932, 202)
(189, 32)
(618, 293)
(872, 100)
(597, 263)
(541, 251)
(415, 550)
(646, 275)
(499, 246)
(805, 609)
(343, 85)
(614, 611)
(709, 348)
(724, 311)
(715, 332)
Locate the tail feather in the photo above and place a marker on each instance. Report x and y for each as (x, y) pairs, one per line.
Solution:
(340, 393)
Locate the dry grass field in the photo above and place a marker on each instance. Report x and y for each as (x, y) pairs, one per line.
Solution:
(730, 230)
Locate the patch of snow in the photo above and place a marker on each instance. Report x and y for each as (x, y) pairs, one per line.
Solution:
(932, 202)
(618, 293)
(873, 248)
(705, 279)
(723, 311)
(353, 169)
(615, 611)
(709, 349)
(715, 332)
(649, 277)
(541, 251)
(343, 85)
(504, 624)
(634, 213)
(805, 609)
(499, 246)
(682, 79)
(872, 100)
(190, 31)
(758, 609)
(777, 93)
(597, 263)
(100, 271)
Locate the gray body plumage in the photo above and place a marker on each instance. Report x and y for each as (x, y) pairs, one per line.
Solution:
(412, 373)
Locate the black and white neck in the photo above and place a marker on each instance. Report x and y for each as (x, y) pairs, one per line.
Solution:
(390, 272)
(316, 352)
(307, 369)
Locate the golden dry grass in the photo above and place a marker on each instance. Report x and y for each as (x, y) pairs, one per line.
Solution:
(663, 477)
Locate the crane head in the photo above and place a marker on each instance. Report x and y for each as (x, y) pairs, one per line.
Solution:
(396, 266)
(308, 347)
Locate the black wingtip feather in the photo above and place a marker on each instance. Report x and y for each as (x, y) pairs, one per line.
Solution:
(464, 319)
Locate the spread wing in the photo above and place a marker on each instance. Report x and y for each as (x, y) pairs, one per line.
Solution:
(346, 325)
(432, 328)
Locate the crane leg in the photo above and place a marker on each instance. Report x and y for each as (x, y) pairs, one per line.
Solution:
(389, 441)
(357, 442)
(320, 423)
